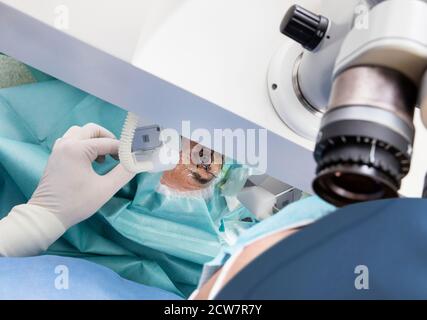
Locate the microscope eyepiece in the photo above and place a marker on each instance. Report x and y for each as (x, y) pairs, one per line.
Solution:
(364, 146)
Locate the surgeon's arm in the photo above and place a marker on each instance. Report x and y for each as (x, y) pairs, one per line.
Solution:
(28, 230)
(69, 192)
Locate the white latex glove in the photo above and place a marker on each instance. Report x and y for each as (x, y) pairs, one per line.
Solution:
(70, 189)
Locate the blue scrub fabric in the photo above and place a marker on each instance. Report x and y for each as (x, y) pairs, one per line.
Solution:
(304, 211)
(125, 236)
(63, 278)
(372, 250)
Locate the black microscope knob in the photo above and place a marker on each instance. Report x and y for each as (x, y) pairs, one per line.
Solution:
(304, 27)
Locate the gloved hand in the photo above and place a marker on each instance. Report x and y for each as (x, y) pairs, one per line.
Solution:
(70, 189)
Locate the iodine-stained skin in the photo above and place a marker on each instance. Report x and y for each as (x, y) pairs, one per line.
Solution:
(13, 73)
(197, 169)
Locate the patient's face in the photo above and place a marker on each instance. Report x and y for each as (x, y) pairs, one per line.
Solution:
(197, 169)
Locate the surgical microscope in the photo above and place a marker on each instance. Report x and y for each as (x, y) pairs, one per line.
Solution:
(354, 89)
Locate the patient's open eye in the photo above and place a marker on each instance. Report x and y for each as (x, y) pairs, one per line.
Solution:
(201, 156)
(198, 168)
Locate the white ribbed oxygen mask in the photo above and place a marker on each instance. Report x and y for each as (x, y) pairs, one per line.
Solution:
(145, 147)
